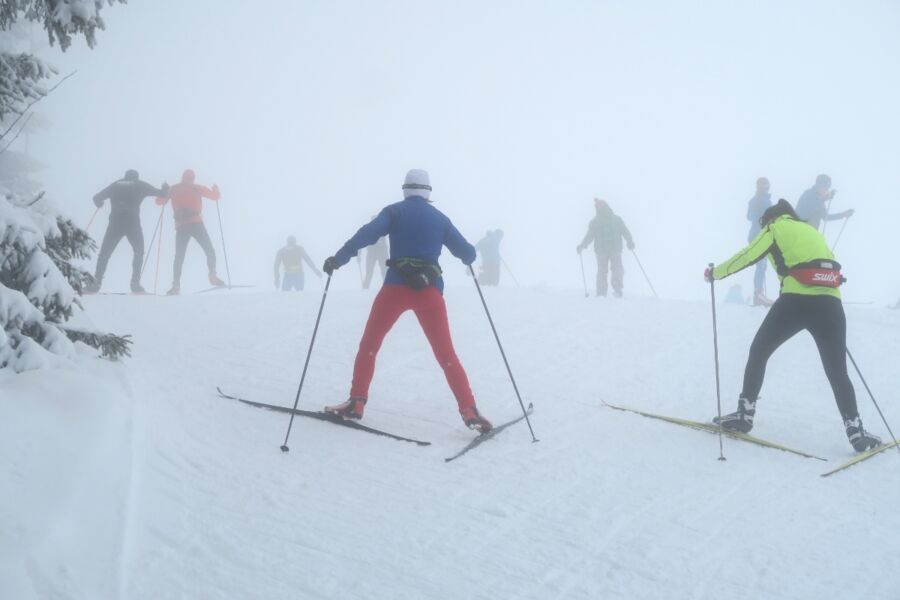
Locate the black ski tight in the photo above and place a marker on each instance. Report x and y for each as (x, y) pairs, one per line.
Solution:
(823, 317)
(130, 229)
(183, 235)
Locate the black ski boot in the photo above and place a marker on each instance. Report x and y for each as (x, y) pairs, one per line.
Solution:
(740, 420)
(860, 439)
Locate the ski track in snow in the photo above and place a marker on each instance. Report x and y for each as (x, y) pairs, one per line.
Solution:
(202, 504)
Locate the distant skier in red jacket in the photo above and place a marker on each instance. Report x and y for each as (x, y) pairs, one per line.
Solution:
(187, 203)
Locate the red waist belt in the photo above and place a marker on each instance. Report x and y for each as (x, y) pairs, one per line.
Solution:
(820, 273)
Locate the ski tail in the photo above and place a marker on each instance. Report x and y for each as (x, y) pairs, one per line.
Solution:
(861, 457)
(489, 434)
(323, 416)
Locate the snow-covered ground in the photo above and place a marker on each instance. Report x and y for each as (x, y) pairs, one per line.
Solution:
(136, 481)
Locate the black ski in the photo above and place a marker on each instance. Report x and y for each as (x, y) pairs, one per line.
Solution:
(323, 416)
(223, 287)
(486, 436)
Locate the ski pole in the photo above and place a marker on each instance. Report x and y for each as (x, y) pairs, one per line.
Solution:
(158, 249)
(502, 353)
(712, 292)
(840, 233)
(583, 280)
(881, 414)
(362, 281)
(513, 277)
(224, 251)
(655, 295)
(152, 239)
(91, 221)
(284, 447)
(827, 211)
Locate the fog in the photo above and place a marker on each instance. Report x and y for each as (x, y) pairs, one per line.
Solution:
(308, 115)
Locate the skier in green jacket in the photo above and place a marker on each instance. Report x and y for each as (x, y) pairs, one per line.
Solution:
(810, 300)
(606, 231)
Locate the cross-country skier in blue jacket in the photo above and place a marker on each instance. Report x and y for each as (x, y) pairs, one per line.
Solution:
(417, 232)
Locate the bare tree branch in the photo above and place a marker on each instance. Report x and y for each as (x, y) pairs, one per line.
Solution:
(32, 103)
(18, 133)
(38, 197)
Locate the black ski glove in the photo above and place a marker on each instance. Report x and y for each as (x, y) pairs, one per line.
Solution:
(330, 265)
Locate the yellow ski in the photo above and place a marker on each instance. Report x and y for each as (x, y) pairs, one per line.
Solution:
(861, 457)
(712, 428)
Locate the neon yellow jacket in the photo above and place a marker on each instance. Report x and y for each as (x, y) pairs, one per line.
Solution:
(787, 242)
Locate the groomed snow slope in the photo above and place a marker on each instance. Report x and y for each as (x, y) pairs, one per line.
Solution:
(136, 481)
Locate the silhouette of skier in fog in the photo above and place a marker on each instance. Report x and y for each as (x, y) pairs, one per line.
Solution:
(376, 255)
(187, 203)
(757, 205)
(125, 196)
(489, 249)
(606, 231)
(292, 257)
(813, 205)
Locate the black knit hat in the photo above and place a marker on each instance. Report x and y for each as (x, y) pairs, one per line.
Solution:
(779, 209)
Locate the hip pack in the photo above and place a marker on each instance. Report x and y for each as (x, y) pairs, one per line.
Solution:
(418, 273)
(183, 214)
(819, 273)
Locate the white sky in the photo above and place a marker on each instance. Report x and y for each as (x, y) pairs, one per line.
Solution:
(308, 114)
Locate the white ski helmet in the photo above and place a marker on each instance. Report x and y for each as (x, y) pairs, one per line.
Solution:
(417, 183)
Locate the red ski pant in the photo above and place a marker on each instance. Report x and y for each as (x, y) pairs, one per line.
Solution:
(431, 311)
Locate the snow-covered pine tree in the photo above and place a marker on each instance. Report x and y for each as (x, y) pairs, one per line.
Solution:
(40, 286)
(21, 72)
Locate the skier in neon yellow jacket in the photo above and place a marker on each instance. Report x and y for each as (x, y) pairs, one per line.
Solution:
(810, 300)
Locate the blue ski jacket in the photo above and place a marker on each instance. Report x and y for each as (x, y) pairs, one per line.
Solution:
(416, 229)
(755, 209)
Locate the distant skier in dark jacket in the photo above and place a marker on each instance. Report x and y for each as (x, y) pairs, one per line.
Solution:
(757, 205)
(813, 205)
(187, 204)
(292, 257)
(606, 231)
(810, 300)
(489, 248)
(417, 233)
(125, 197)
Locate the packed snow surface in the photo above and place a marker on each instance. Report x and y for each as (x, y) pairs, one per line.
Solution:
(137, 481)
